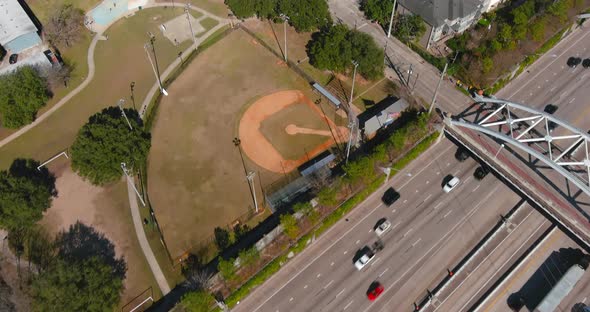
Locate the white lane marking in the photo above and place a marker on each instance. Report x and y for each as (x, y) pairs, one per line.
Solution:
(357, 241)
(319, 274)
(438, 172)
(416, 242)
(408, 232)
(328, 285)
(552, 89)
(538, 87)
(305, 287)
(427, 197)
(393, 211)
(291, 299)
(405, 201)
(448, 164)
(340, 293)
(554, 60)
(437, 244)
(332, 264)
(427, 182)
(348, 305)
(448, 213)
(376, 260)
(370, 230)
(573, 99)
(383, 272)
(379, 206)
(349, 230)
(584, 300)
(475, 189)
(346, 251)
(395, 225)
(416, 191)
(437, 205)
(456, 172)
(467, 179)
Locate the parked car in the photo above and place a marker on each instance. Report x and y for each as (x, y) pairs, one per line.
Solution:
(364, 259)
(375, 290)
(586, 63)
(390, 196)
(51, 57)
(382, 226)
(13, 58)
(451, 185)
(574, 61)
(461, 154)
(481, 172)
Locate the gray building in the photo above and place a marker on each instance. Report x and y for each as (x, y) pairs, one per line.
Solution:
(446, 18)
(380, 116)
(17, 30)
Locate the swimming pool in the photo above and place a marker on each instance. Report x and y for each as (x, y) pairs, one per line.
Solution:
(108, 11)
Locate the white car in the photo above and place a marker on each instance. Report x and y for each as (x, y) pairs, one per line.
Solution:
(383, 227)
(364, 260)
(452, 184)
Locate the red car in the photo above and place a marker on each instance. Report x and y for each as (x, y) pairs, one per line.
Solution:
(374, 291)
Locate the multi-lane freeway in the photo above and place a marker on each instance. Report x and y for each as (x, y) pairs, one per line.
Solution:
(431, 231)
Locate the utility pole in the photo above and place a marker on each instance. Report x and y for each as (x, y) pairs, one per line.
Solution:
(146, 48)
(391, 19)
(410, 71)
(442, 75)
(156, 67)
(190, 24)
(285, 19)
(132, 87)
(126, 172)
(120, 104)
(351, 117)
(251, 175)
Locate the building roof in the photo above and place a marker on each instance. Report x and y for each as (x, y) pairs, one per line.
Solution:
(381, 114)
(435, 12)
(14, 21)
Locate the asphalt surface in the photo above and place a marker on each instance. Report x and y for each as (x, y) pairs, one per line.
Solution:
(430, 232)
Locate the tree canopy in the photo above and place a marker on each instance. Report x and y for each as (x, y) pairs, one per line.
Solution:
(65, 25)
(197, 301)
(336, 47)
(409, 27)
(378, 10)
(106, 141)
(85, 275)
(24, 92)
(25, 193)
(304, 15)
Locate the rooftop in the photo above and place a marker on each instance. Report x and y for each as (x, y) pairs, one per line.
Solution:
(14, 21)
(435, 12)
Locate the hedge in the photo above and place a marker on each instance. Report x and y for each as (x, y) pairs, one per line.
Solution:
(276, 264)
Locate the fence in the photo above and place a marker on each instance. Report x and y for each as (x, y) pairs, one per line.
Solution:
(141, 302)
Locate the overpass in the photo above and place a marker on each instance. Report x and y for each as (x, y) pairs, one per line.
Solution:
(525, 147)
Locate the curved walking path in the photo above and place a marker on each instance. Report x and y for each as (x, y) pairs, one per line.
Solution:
(100, 29)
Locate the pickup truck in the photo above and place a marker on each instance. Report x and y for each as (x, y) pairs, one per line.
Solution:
(364, 260)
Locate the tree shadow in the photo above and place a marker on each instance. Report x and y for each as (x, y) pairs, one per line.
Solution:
(82, 242)
(27, 168)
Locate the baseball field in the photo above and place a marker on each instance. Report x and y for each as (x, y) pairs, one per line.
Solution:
(236, 88)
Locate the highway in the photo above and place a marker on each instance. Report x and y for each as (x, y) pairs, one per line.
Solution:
(430, 232)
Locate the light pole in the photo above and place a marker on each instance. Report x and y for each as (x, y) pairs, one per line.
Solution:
(237, 143)
(442, 75)
(120, 104)
(285, 19)
(146, 48)
(190, 24)
(391, 19)
(351, 117)
(155, 67)
(126, 172)
(251, 175)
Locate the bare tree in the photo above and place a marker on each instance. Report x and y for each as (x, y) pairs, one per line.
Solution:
(65, 25)
(198, 279)
(59, 75)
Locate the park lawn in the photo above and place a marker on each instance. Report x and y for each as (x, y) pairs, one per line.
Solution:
(119, 61)
(196, 180)
(43, 8)
(207, 23)
(215, 7)
(378, 92)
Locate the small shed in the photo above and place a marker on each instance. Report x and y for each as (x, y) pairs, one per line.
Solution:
(381, 115)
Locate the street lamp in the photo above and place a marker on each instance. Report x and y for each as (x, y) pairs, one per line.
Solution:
(190, 24)
(126, 172)
(391, 19)
(251, 175)
(351, 117)
(154, 67)
(285, 18)
(120, 104)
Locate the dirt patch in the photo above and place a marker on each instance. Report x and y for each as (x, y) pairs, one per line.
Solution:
(107, 210)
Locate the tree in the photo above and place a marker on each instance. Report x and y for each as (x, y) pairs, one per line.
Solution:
(249, 257)
(336, 47)
(25, 193)
(327, 196)
(306, 15)
(106, 141)
(222, 239)
(378, 10)
(302, 207)
(289, 224)
(87, 285)
(24, 92)
(197, 301)
(227, 269)
(266, 8)
(240, 230)
(242, 8)
(65, 25)
(538, 30)
(409, 27)
(559, 8)
(362, 169)
(59, 75)
(487, 64)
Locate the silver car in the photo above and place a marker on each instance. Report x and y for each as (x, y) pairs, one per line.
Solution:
(451, 185)
(383, 227)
